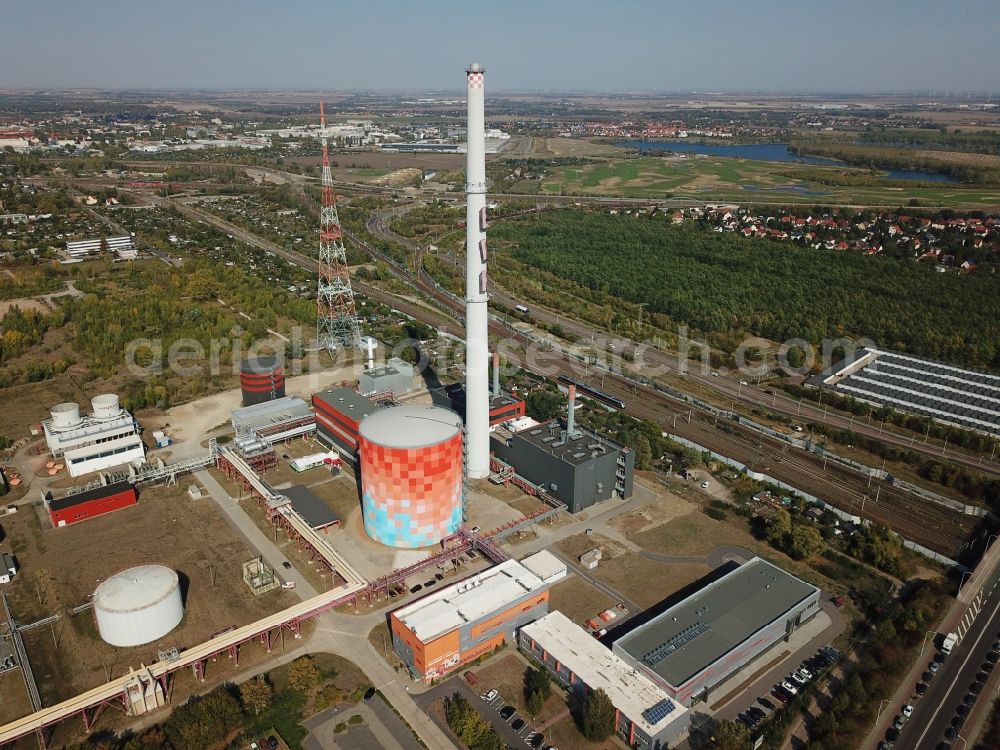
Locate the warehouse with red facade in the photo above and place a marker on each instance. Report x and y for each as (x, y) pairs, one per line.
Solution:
(91, 503)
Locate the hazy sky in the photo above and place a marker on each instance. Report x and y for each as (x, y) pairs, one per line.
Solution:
(626, 45)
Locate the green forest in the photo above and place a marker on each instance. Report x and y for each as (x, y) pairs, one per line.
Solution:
(723, 282)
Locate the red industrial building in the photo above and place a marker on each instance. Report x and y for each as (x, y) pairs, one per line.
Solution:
(96, 502)
(339, 411)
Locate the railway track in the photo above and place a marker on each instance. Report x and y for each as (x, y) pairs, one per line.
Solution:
(931, 525)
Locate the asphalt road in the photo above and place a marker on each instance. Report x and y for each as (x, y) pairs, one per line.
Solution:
(937, 709)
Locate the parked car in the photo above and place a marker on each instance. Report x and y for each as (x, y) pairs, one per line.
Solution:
(490, 695)
(780, 695)
(286, 565)
(704, 485)
(907, 710)
(518, 725)
(934, 666)
(506, 712)
(899, 722)
(789, 687)
(798, 679)
(415, 589)
(767, 704)
(921, 688)
(272, 742)
(370, 693)
(805, 673)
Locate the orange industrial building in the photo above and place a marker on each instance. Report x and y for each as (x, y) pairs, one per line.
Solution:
(461, 622)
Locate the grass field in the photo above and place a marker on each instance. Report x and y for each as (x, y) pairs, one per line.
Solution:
(745, 180)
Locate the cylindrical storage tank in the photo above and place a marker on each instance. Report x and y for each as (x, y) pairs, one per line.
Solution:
(411, 475)
(65, 416)
(106, 406)
(261, 379)
(138, 605)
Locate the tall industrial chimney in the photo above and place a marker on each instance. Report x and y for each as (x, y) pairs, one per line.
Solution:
(496, 374)
(477, 377)
(571, 414)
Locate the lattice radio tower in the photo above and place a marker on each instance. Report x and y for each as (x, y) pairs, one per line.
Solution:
(336, 316)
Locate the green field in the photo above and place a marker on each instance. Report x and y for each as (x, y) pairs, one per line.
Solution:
(744, 180)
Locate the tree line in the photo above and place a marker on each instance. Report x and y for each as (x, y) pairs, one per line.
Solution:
(728, 285)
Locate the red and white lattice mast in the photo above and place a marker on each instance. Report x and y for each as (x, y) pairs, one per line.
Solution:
(336, 316)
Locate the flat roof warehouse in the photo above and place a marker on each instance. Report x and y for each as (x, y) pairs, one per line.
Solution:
(682, 641)
(469, 600)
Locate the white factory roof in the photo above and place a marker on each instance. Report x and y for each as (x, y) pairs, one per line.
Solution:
(595, 665)
(136, 588)
(468, 600)
(545, 565)
(410, 426)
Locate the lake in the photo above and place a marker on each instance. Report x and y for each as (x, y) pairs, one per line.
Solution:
(768, 152)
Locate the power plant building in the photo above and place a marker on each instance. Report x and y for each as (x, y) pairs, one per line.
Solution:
(261, 379)
(645, 715)
(579, 469)
(699, 643)
(502, 407)
(108, 437)
(339, 412)
(461, 622)
(91, 503)
(411, 475)
(138, 605)
(267, 414)
(396, 377)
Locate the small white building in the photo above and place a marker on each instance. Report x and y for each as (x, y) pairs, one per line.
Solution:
(8, 567)
(108, 437)
(546, 566)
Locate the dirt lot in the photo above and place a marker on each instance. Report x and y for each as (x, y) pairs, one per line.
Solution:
(665, 508)
(578, 600)
(25, 304)
(61, 568)
(25, 405)
(577, 544)
(694, 534)
(647, 582)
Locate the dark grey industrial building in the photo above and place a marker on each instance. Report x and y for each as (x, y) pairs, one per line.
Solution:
(579, 470)
(699, 643)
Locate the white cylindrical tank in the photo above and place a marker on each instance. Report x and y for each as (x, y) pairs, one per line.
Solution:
(138, 605)
(106, 406)
(65, 416)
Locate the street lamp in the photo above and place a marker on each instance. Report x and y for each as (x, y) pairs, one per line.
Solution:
(963, 740)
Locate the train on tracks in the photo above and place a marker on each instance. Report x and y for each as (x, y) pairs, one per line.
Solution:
(592, 392)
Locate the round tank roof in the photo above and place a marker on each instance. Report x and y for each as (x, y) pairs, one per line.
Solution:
(136, 588)
(259, 365)
(410, 426)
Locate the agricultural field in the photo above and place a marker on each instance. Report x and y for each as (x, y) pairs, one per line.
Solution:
(743, 180)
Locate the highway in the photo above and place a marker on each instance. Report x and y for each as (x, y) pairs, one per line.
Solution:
(937, 710)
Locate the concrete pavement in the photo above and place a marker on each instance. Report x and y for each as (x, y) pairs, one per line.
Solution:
(342, 634)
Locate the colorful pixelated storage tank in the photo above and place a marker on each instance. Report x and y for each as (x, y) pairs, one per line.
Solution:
(411, 475)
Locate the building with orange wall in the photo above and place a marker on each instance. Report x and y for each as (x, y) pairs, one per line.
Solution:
(461, 622)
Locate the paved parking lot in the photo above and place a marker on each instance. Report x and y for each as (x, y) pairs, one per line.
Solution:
(490, 711)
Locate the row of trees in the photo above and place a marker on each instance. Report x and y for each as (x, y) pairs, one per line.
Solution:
(726, 283)
(469, 725)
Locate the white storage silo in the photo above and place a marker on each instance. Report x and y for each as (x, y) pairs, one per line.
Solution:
(65, 416)
(106, 406)
(138, 605)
